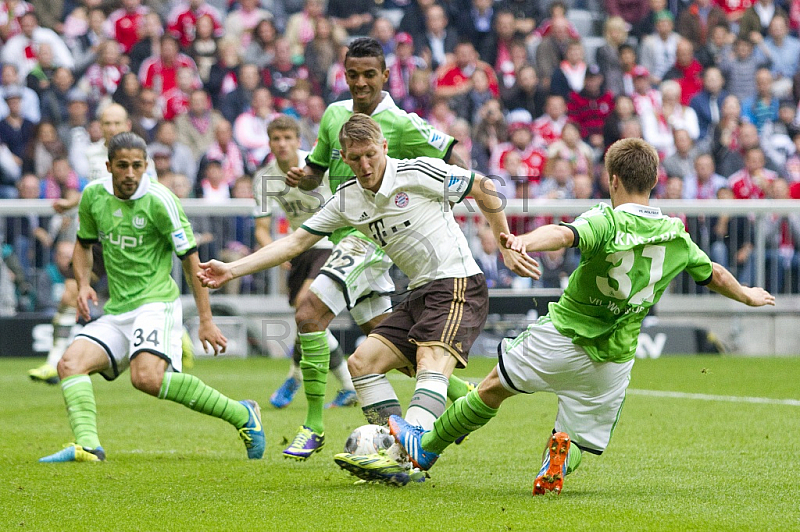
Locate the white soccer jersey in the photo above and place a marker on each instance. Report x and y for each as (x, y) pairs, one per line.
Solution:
(270, 191)
(410, 217)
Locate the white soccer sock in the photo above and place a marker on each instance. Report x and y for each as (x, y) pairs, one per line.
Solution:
(294, 371)
(333, 343)
(377, 398)
(342, 374)
(429, 400)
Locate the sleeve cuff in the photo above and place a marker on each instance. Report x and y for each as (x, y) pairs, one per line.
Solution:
(86, 242)
(314, 165)
(314, 231)
(576, 240)
(708, 280)
(188, 252)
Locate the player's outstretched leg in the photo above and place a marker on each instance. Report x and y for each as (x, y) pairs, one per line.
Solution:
(554, 466)
(82, 414)
(191, 392)
(314, 365)
(466, 415)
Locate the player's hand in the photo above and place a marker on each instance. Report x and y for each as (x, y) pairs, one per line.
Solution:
(521, 263)
(211, 336)
(214, 273)
(758, 297)
(511, 241)
(294, 176)
(85, 295)
(61, 205)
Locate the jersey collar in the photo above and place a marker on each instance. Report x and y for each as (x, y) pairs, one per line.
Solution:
(144, 186)
(640, 210)
(387, 185)
(386, 103)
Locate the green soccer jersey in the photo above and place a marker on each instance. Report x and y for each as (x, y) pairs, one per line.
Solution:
(139, 236)
(629, 255)
(408, 137)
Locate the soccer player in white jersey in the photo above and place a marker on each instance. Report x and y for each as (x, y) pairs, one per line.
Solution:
(356, 276)
(403, 206)
(270, 191)
(583, 349)
(141, 224)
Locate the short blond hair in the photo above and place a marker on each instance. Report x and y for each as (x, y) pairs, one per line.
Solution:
(635, 163)
(360, 128)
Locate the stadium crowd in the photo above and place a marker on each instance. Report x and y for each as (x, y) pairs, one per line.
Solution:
(534, 91)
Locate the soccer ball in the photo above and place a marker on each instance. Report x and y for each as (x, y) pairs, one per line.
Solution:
(368, 439)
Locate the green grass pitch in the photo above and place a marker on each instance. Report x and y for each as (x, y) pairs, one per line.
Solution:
(680, 462)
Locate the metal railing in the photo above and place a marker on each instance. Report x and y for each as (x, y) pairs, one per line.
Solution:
(232, 222)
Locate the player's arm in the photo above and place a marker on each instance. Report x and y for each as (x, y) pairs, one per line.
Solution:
(723, 282)
(214, 273)
(545, 238)
(455, 159)
(491, 205)
(263, 230)
(82, 262)
(209, 333)
(67, 203)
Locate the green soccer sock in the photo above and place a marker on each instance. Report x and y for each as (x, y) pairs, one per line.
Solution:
(81, 409)
(466, 415)
(314, 365)
(457, 388)
(573, 458)
(191, 392)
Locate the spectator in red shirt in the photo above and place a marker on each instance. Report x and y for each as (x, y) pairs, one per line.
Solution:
(687, 71)
(752, 181)
(182, 20)
(547, 128)
(455, 81)
(734, 9)
(103, 77)
(175, 101)
(591, 107)
(124, 25)
(532, 160)
(160, 72)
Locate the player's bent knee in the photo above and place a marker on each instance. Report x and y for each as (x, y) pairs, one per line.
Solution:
(81, 358)
(312, 315)
(147, 372)
(147, 381)
(357, 365)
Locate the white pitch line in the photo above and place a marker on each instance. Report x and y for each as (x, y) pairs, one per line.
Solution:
(709, 397)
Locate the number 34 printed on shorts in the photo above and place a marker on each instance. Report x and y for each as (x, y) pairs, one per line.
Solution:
(140, 338)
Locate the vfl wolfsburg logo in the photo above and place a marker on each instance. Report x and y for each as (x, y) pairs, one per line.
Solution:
(139, 222)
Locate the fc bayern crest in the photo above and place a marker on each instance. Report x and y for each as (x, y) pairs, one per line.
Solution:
(401, 199)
